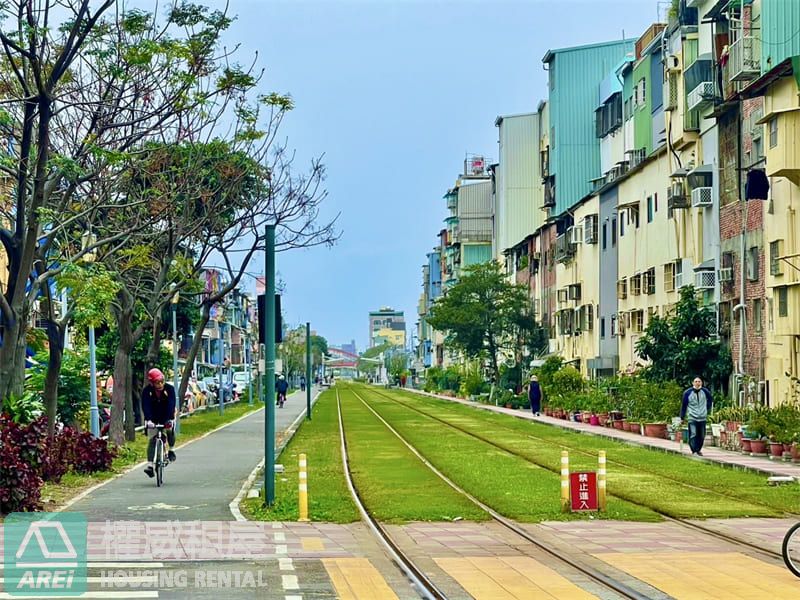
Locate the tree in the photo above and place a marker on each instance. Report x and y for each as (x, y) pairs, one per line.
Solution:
(368, 362)
(684, 345)
(484, 316)
(80, 96)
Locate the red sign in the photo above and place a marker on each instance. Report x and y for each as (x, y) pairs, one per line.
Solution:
(583, 491)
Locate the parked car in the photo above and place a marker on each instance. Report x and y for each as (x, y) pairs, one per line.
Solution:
(241, 379)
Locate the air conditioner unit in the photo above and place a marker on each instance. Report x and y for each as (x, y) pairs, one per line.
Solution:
(725, 274)
(575, 291)
(562, 295)
(575, 234)
(676, 197)
(700, 95)
(672, 63)
(702, 196)
(704, 280)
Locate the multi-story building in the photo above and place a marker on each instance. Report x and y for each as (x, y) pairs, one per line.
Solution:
(387, 324)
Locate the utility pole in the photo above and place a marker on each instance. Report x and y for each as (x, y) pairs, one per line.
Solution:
(308, 371)
(269, 368)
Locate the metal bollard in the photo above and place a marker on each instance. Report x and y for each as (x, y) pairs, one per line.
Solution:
(564, 481)
(601, 480)
(303, 490)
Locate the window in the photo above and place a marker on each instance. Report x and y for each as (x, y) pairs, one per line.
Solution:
(649, 209)
(613, 232)
(621, 224)
(650, 281)
(636, 285)
(773, 132)
(634, 218)
(655, 203)
(771, 313)
(669, 277)
(752, 263)
(783, 301)
(608, 118)
(775, 248)
(757, 315)
(602, 327)
(637, 320)
(605, 235)
(622, 289)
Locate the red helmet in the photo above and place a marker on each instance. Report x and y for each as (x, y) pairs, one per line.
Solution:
(154, 375)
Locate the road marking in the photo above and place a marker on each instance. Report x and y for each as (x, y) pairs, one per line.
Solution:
(280, 536)
(159, 506)
(153, 594)
(112, 579)
(290, 582)
(88, 491)
(277, 525)
(356, 579)
(286, 564)
(293, 598)
(311, 544)
(248, 483)
(281, 549)
(117, 565)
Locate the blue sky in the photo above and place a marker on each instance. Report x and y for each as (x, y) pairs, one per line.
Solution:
(394, 93)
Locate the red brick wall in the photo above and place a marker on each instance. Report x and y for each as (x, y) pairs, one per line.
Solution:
(730, 232)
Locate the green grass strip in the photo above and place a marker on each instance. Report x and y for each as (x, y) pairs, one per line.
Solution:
(395, 485)
(328, 496)
(511, 485)
(674, 485)
(55, 495)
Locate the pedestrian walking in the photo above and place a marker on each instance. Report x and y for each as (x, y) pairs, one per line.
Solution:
(535, 395)
(696, 405)
(302, 383)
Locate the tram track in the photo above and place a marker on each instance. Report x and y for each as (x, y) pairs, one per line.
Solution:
(695, 527)
(418, 578)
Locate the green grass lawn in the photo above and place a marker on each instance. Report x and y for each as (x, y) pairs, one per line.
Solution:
(328, 497)
(55, 495)
(675, 485)
(509, 484)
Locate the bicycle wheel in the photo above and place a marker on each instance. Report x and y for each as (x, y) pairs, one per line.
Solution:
(159, 462)
(791, 549)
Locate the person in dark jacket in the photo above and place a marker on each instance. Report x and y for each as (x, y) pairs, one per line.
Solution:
(535, 395)
(158, 405)
(696, 405)
(281, 387)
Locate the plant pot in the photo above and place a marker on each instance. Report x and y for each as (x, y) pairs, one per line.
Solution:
(603, 419)
(775, 450)
(745, 445)
(585, 416)
(594, 420)
(656, 430)
(677, 436)
(758, 448)
(795, 451)
(723, 438)
(618, 424)
(716, 429)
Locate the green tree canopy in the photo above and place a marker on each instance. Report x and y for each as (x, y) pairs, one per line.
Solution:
(684, 345)
(484, 315)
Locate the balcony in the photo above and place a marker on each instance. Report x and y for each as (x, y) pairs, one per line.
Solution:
(702, 197)
(676, 197)
(698, 80)
(565, 249)
(745, 59)
(782, 151)
(549, 193)
(452, 201)
(637, 156)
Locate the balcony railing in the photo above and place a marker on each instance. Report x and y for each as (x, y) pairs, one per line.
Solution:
(565, 249)
(701, 95)
(745, 59)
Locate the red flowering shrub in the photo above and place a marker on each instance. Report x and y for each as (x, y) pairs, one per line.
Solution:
(20, 483)
(90, 454)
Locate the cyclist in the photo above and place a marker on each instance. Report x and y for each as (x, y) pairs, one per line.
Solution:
(281, 386)
(158, 404)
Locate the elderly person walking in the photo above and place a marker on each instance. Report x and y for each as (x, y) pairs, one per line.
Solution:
(696, 405)
(535, 395)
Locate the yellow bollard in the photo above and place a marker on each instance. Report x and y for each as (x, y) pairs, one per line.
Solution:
(564, 481)
(601, 480)
(303, 489)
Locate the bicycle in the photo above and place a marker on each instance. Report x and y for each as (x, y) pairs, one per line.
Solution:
(281, 399)
(160, 459)
(791, 549)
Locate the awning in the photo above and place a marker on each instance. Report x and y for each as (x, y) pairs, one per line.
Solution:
(628, 204)
(682, 172)
(707, 265)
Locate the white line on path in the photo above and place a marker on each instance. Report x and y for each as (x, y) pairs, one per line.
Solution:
(113, 580)
(281, 549)
(85, 493)
(290, 582)
(280, 536)
(118, 565)
(86, 595)
(286, 564)
(294, 598)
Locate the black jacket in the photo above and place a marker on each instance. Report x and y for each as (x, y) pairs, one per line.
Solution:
(158, 408)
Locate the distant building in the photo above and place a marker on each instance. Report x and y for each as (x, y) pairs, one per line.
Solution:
(351, 347)
(387, 324)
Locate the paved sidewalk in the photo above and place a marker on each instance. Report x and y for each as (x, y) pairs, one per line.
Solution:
(200, 485)
(710, 453)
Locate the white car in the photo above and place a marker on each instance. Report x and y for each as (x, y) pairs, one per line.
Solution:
(241, 379)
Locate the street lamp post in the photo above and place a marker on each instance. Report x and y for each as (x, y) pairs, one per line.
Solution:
(88, 239)
(175, 380)
(248, 358)
(308, 371)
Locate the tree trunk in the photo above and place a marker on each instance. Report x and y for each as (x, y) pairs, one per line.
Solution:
(130, 416)
(191, 356)
(122, 371)
(55, 337)
(12, 360)
(154, 351)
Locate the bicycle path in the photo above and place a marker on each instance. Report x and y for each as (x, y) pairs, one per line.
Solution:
(199, 486)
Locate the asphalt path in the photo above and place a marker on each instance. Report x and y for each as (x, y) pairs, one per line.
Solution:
(200, 485)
